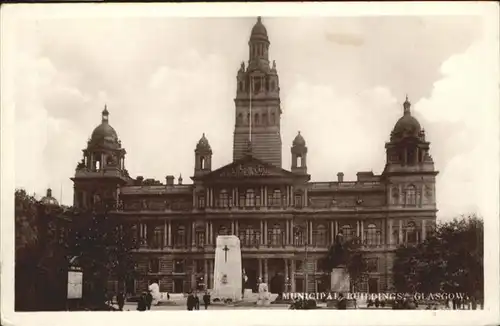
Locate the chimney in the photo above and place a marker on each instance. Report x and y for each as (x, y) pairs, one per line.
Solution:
(180, 179)
(170, 180)
(340, 177)
(49, 192)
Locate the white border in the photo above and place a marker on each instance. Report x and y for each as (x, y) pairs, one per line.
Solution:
(12, 13)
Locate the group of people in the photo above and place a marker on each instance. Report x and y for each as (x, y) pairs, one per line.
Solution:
(145, 301)
(193, 301)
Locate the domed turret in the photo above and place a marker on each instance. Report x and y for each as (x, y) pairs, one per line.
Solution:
(407, 126)
(104, 135)
(299, 140)
(299, 155)
(48, 200)
(259, 31)
(203, 144)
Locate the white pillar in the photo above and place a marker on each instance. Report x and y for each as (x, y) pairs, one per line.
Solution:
(165, 233)
(391, 240)
(362, 233)
(400, 231)
(423, 231)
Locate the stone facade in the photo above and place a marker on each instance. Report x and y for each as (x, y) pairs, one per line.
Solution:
(285, 222)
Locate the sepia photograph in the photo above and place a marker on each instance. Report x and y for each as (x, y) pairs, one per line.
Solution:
(166, 159)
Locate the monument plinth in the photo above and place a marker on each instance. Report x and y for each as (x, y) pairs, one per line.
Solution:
(227, 269)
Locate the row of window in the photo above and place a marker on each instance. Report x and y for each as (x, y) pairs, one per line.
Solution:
(250, 198)
(179, 265)
(276, 236)
(257, 119)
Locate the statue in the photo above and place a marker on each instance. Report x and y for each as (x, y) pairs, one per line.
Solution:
(339, 249)
(154, 288)
(264, 296)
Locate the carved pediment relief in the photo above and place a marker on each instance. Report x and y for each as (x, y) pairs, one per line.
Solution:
(249, 168)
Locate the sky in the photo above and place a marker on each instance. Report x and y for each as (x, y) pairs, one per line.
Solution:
(167, 80)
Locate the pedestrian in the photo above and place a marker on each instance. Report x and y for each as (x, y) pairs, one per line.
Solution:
(206, 300)
(120, 299)
(149, 300)
(168, 296)
(190, 301)
(141, 303)
(342, 304)
(196, 301)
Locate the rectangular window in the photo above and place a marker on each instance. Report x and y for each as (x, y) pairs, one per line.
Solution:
(179, 266)
(201, 202)
(372, 265)
(200, 266)
(154, 265)
(298, 265)
(298, 201)
(200, 238)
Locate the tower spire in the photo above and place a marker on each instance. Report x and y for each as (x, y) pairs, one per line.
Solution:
(406, 106)
(105, 114)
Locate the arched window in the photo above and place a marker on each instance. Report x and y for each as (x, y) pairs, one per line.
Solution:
(273, 118)
(257, 85)
(256, 120)
(157, 237)
(372, 235)
(202, 163)
(249, 236)
(250, 198)
(97, 165)
(240, 119)
(276, 236)
(411, 196)
(241, 86)
(275, 198)
(180, 236)
(223, 198)
(299, 161)
(411, 236)
(264, 119)
(267, 83)
(299, 236)
(347, 232)
(272, 86)
(320, 236)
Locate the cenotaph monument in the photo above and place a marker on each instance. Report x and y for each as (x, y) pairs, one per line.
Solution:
(227, 269)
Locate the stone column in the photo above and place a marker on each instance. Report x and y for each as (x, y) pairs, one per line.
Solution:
(336, 229)
(400, 231)
(362, 235)
(265, 233)
(292, 235)
(237, 198)
(306, 199)
(310, 233)
(165, 233)
(357, 228)
(292, 276)
(207, 232)
(332, 232)
(193, 234)
(207, 198)
(261, 232)
(287, 276)
(259, 272)
(205, 271)
(287, 232)
(211, 232)
(169, 237)
(390, 239)
(265, 197)
(193, 275)
(423, 231)
(266, 276)
(262, 203)
(236, 228)
(211, 272)
(232, 227)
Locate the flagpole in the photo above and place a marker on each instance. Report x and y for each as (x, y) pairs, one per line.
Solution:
(250, 110)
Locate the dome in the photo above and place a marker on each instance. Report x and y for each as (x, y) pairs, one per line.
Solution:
(259, 31)
(407, 125)
(203, 144)
(49, 200)
(299, 140)
(104, 133)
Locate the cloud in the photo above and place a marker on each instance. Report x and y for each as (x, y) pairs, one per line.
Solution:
(466, 97)
(166, 81)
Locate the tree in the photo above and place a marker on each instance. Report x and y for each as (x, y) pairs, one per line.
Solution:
(103, 243)
(346, 254)
(450, 260)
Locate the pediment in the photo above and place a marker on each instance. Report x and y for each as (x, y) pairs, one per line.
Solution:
(249, 167)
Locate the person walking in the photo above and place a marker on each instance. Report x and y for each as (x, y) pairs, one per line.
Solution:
(149, 300)
(141, 303)
(190, 301)
(206, 300)
(196, 301)
(120, 299)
